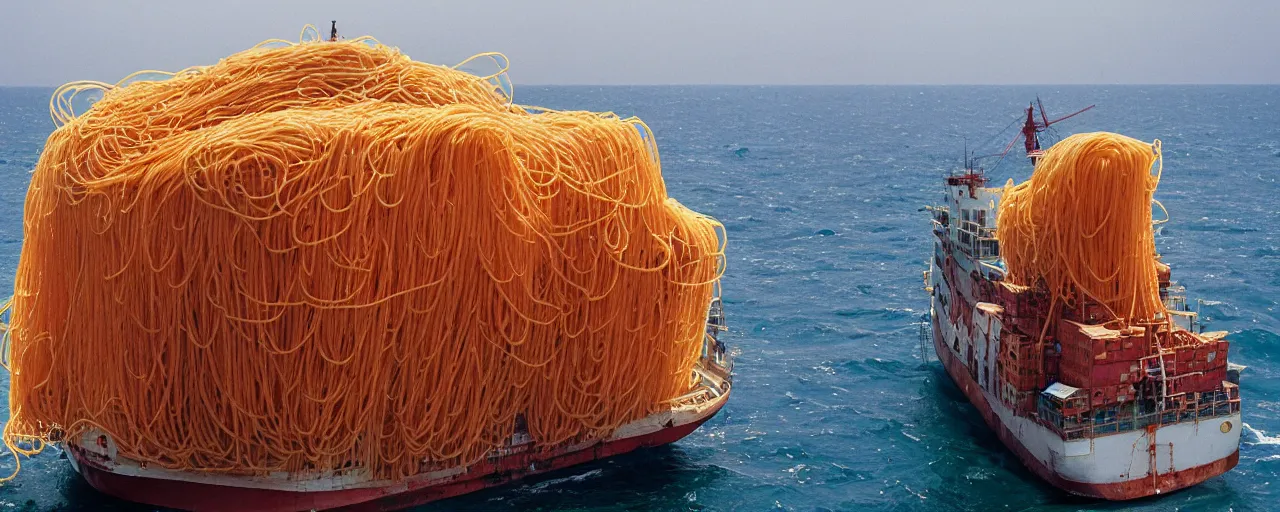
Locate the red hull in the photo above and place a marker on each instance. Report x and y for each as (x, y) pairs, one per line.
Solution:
(209, 497)
(1126, 490)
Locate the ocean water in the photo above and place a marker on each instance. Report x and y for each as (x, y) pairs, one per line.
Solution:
(833, 407)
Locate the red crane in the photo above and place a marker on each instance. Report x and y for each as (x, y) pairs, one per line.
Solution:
(1032, 127)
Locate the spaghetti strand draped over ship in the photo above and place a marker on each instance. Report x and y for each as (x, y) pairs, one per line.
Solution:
(1082, 225)
(321, 256)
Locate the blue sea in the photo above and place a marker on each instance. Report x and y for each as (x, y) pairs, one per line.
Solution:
(833, 406)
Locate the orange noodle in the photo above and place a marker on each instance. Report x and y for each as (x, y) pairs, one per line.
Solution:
(327, 255)
(1082, 225)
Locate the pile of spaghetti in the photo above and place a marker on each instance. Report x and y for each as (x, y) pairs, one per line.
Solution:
(1082, 224)
(327, 255)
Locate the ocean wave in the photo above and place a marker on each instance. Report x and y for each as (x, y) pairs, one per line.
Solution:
(1259, 437)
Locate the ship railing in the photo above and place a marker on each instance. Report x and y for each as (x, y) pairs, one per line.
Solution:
(964, 236)
(979, 231)
(1129, 417)
(941, 213)
(1175, 302)
(715, 315)
(1102, 423)
(696, 397)
(979, 239)
(1187, 320)
(939, 228)
(1221, 402)
(713, 349)
(994, 272)
(940, 217)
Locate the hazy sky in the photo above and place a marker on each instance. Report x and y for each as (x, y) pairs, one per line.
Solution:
(49, 42)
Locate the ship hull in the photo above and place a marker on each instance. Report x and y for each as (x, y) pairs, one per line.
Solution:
(1098, 458)
(217, 493)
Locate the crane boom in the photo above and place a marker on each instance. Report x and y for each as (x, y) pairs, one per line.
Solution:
(1068, 116)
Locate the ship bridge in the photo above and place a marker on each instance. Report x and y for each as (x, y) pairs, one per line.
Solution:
(966, 217)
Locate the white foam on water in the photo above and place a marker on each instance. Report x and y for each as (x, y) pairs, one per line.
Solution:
(557, 481)
(1260, 437)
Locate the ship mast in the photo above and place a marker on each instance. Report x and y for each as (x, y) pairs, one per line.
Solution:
(1031, 128)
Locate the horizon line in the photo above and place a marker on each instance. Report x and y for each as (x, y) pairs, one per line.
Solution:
(850, 84)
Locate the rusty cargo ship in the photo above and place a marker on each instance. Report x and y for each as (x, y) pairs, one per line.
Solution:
(1092, 408)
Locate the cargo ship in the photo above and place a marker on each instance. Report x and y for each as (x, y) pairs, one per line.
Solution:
(94, 456)
(1091, 407)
